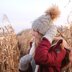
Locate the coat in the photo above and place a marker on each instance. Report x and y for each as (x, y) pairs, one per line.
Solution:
(49, 58)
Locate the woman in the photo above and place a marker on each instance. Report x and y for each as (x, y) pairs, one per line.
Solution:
(48, 58)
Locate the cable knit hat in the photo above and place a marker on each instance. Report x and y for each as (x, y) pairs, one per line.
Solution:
(44, 22)
(24, 62)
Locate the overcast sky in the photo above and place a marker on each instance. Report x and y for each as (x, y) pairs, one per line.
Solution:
(22, 13)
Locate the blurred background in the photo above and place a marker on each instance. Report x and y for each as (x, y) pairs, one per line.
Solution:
(21, 13)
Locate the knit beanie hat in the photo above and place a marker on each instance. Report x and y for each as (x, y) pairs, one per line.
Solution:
(24, 62)
(44, 22)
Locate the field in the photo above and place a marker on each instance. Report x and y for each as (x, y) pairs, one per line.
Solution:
(13, 46)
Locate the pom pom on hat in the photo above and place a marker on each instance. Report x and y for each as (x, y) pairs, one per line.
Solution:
(53, 11)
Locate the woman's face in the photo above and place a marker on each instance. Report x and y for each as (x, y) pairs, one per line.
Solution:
(35, 34)
(36, 37)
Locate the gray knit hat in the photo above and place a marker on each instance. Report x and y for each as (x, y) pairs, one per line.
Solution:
(24, 62)
(42, 24)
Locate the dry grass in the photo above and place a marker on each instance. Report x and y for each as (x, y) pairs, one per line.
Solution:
(67, 33)
(9, 52)
(11, 46)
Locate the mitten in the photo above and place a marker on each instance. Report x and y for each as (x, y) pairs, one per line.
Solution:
(24, 62)
(51, 33)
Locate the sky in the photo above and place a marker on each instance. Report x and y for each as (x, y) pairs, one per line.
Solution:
(21, 13)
